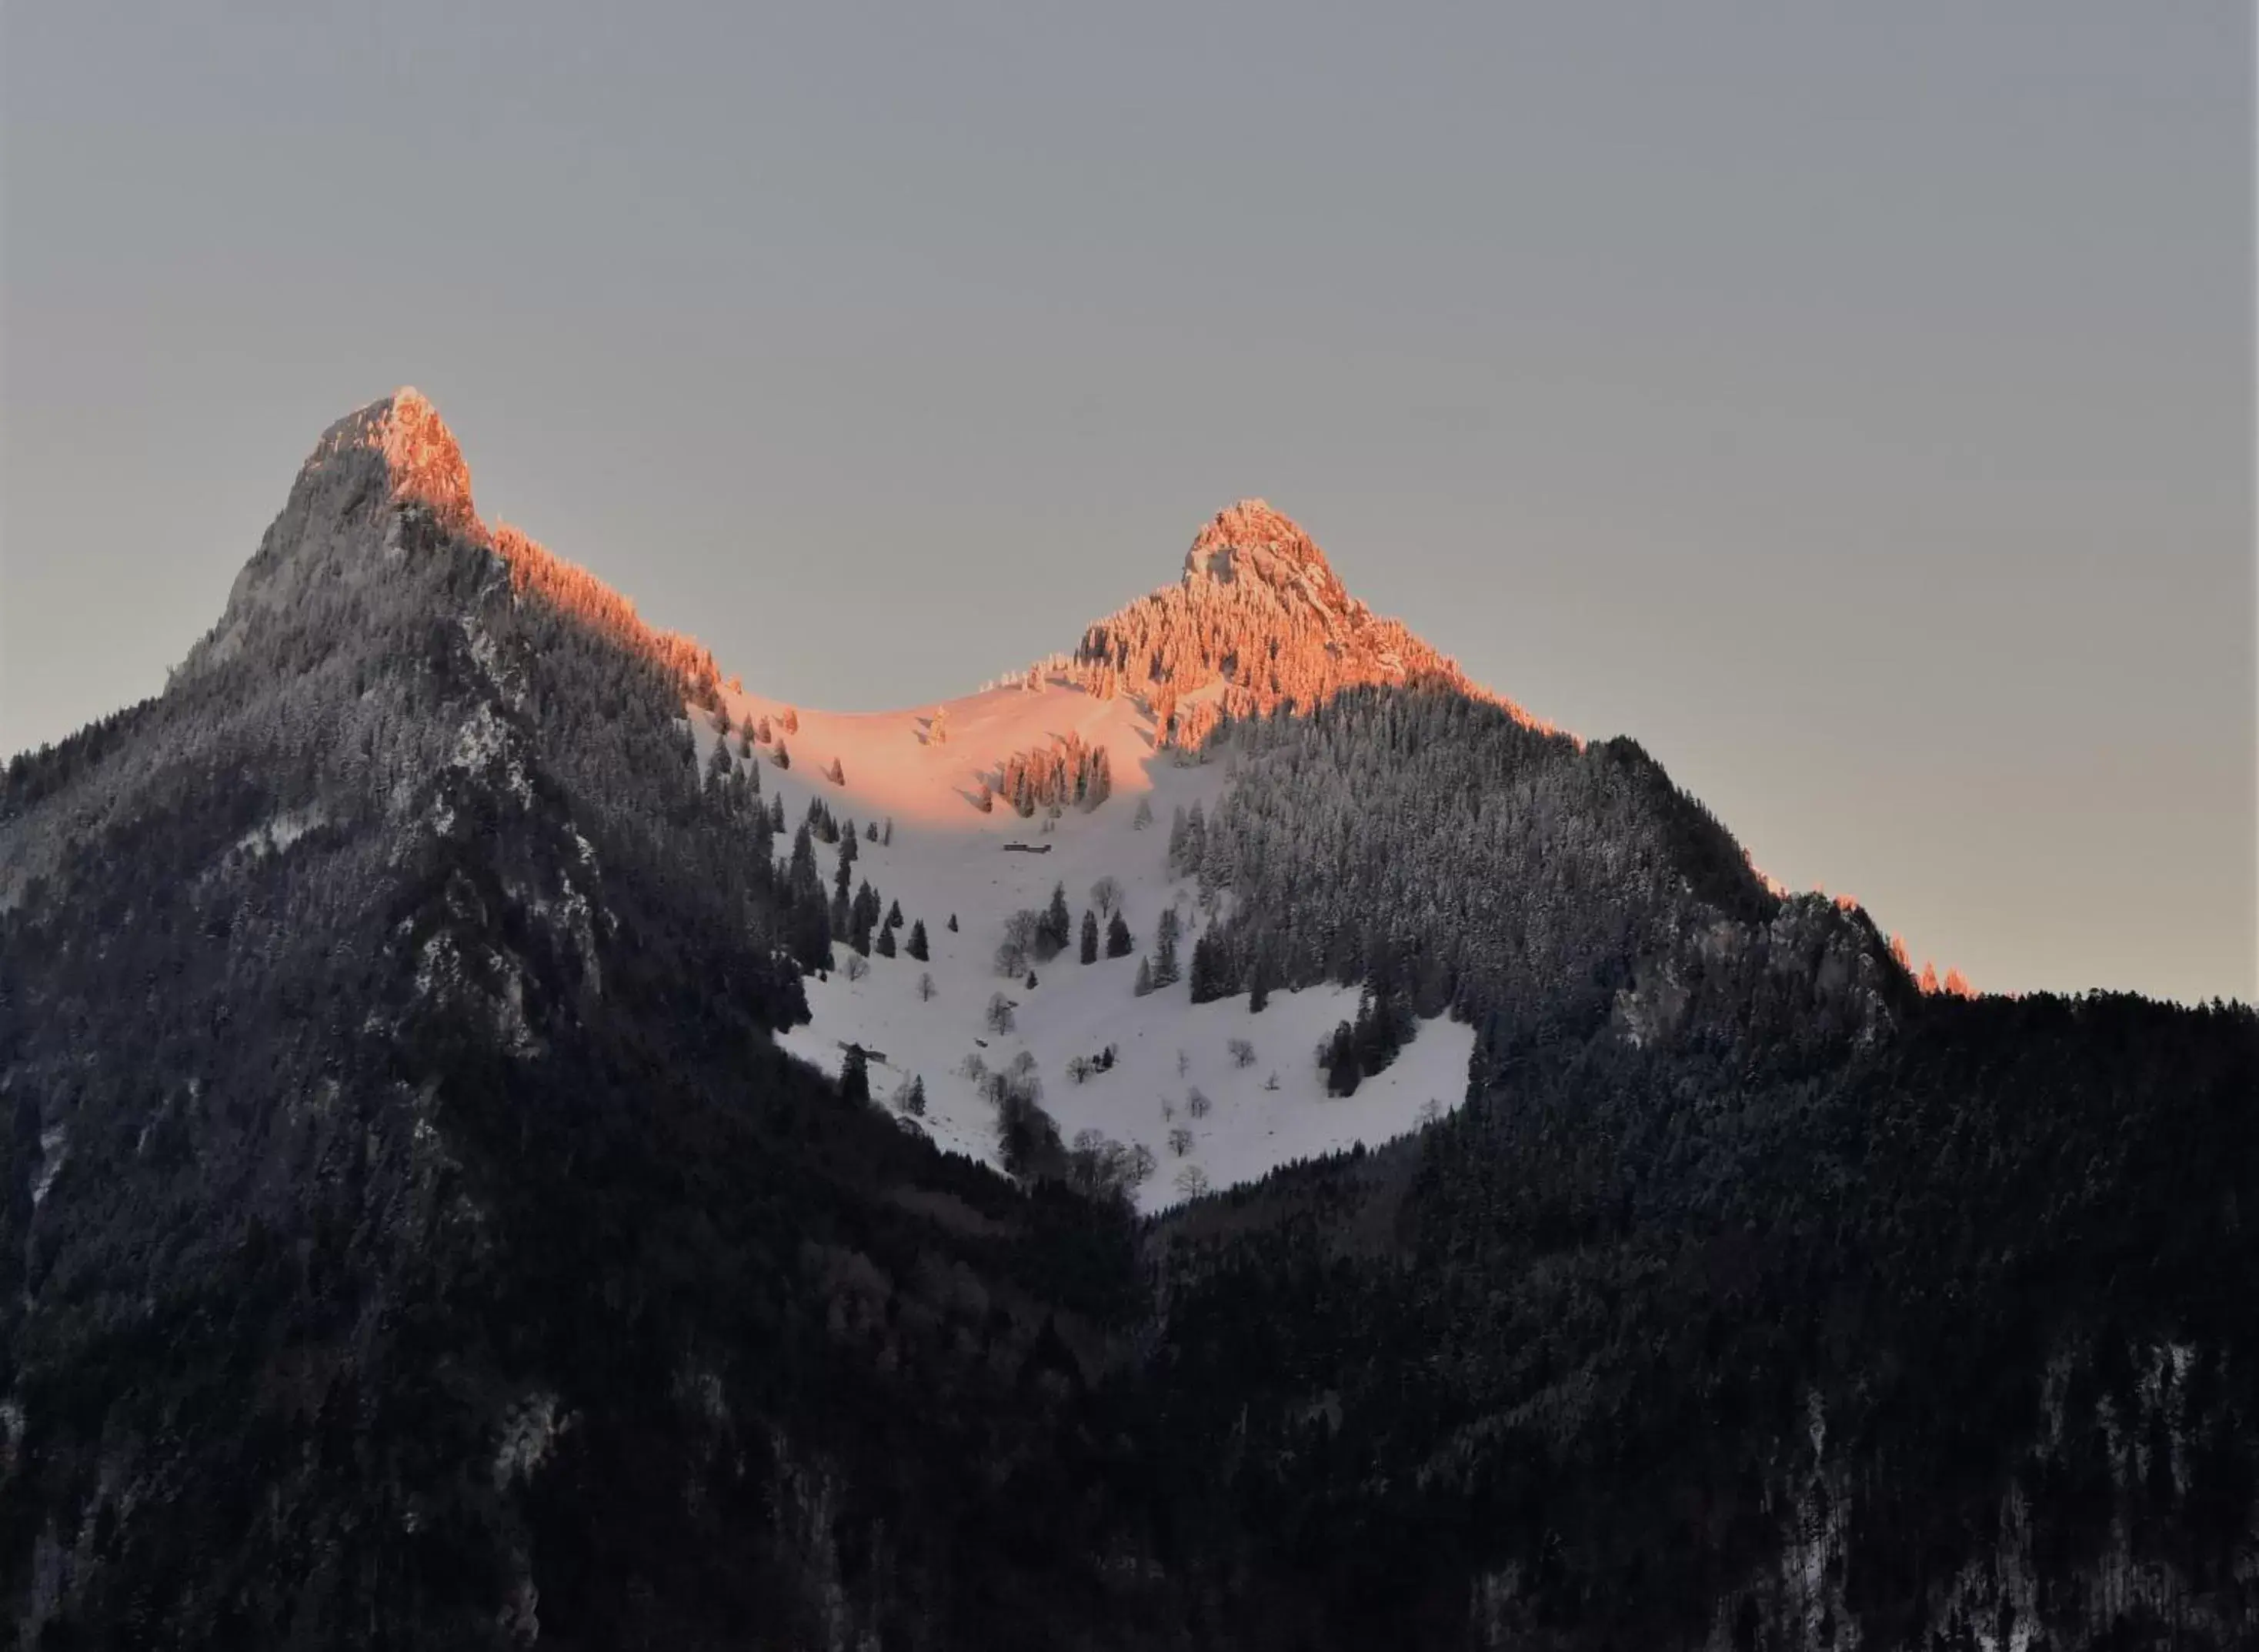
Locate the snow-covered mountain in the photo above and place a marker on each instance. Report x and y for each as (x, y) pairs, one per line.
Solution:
(471, 1176)
(973, 813)
(1215, 1093)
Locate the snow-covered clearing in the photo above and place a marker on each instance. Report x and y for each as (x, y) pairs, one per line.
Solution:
(946, 857)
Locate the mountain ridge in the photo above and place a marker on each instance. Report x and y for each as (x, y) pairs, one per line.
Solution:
(465, 1182)
(1259, 621)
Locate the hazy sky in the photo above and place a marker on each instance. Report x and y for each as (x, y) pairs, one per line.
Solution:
(1854, 404)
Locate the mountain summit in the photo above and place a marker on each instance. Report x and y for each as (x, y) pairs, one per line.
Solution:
(1259, 621)
(421, 463)
(1251, 540)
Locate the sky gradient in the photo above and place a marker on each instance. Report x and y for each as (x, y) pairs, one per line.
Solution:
(1855, 408)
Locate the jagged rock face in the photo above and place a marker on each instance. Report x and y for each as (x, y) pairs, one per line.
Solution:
(400, 447)
(1259, 621)
(1250, 540)
(421, 463)
(340, 523)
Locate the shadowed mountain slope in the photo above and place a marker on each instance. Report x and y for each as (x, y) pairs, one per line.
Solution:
(420, 1236)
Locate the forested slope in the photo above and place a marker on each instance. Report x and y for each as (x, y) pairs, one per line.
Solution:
(1757, 1296)
(416, 1237)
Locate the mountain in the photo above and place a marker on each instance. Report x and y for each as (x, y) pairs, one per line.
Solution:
(1236, 1138)
(1258, 622)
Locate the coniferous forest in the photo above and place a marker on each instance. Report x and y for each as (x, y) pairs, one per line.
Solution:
(420, 1239)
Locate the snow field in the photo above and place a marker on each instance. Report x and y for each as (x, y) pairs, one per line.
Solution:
(947, 857)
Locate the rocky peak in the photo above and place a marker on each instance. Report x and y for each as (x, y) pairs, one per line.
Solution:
(341, 516)
(1259, 621)
(1252, 541)
(421, 464)
(342, 525)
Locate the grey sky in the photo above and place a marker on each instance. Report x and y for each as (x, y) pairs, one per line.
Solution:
(1852, 404)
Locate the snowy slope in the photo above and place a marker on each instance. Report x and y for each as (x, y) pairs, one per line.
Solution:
(947, 856)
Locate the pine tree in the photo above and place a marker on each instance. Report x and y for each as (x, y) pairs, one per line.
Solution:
(803, 864)
(1089, 949)
(783, 758)
(893, 915)
(855, 1076)
(810, 927)
(1338, 1058)
(1144, 984)
(1188, 860)
(883, 944)
(917, 948)
(1165, 967)
(1262, 976)
(1057, 928)
(1211, 976)
(1216, 867)
(1119, 942)
(865, 916)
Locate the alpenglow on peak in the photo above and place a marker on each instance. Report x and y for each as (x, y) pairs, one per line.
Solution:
(1257, 621)
(1252, 540)
(421, 457)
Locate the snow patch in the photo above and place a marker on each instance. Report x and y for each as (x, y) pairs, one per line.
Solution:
(54, 1150)
(483, 742)
(528, 1431)
(272, 836)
